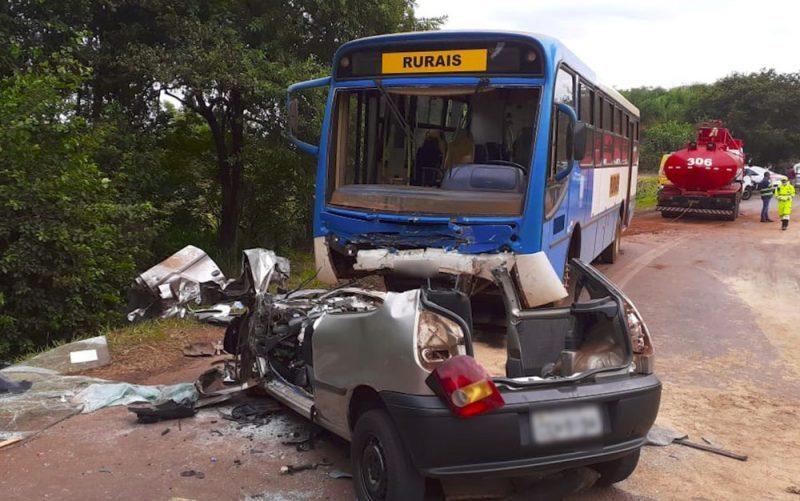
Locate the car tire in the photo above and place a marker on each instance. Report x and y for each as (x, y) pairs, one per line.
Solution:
(382, 469)
(616, 470)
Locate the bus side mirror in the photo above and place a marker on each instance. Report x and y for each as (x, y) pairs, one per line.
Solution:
(571, 137)
(580, 137)
(293, 113)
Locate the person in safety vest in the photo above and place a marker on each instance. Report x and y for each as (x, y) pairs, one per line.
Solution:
(785, 194)
(765, 188)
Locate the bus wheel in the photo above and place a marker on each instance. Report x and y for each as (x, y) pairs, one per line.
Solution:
(611, 253)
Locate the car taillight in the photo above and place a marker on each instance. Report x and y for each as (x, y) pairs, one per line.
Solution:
(465, 386)
(643, 352)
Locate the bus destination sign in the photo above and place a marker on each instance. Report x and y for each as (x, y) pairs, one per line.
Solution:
(435, 61)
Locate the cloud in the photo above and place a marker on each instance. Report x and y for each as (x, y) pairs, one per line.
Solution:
(634, 43)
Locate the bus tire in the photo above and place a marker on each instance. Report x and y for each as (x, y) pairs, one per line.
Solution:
(611, 253)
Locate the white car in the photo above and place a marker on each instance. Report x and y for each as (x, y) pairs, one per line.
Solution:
(756, 174)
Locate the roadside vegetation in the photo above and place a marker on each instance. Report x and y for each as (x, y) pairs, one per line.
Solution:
(763, 108)
(646, 191)
(129, 129)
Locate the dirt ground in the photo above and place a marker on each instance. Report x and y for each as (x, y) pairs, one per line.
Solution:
(720, 299)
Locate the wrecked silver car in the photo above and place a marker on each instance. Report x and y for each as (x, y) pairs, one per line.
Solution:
(404, 376)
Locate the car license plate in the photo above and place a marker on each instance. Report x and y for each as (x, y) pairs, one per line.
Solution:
(561, 425)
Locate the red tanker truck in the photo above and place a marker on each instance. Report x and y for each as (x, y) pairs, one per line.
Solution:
(705, 177)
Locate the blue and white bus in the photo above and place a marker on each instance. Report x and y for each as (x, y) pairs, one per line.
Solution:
(475, 144)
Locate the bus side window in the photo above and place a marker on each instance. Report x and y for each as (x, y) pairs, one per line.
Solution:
(608, 136)
(598, 130)
(586, 115)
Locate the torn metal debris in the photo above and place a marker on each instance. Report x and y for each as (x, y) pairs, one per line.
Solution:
(182, 283)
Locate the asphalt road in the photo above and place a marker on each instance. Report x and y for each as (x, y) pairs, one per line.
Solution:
(722, 300)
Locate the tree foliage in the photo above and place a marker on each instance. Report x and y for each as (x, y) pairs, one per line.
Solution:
(103, 174)
(68, 244)
(763, 108)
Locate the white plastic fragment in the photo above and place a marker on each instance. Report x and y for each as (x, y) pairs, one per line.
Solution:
(82, 356)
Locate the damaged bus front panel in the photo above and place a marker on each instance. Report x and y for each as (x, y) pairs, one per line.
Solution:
(339, 356)
(495, 154)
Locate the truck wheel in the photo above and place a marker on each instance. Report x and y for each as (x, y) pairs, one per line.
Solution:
(616, 470)
(735, 213)
(382, 469)
(611, 253)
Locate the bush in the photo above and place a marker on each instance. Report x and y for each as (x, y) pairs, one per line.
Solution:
(68, 246)
(663, 138)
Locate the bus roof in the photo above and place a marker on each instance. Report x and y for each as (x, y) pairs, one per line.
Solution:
(552, 48)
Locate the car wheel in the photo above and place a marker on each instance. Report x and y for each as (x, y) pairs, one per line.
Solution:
(382, 469)
(617, 470)
(747, 193)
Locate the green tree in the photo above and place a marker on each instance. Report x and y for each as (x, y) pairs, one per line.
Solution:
(763, 108)
(230, 63)
(68, 245)
(660, 139)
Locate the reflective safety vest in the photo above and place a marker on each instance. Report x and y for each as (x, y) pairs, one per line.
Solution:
(767, 191)
(784, 192)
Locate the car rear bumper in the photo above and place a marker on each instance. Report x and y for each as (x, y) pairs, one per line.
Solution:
(502, 443)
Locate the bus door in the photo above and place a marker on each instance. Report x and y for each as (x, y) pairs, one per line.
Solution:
(555, 230)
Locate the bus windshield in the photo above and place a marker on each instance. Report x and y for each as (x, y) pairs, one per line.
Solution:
(433, 150)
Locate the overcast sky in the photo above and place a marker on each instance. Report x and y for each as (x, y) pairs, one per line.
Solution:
(655, 43)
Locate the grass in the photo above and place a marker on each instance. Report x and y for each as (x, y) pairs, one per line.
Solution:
(646, 191)
(145, 332)
(303, 270)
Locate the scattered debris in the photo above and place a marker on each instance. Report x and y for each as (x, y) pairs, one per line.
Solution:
(304, 443)
(9, 386)
(216, 432)
(78, 355)
(201, 349)
(708, 448)
(220, 313)
(165, 432)
(9, 441)
(193, 473)
(663, 436)
(206, 401)
(171, 409)
(292, 469)
(793, 489)
(103, 470)
(237, 462)
(339, 474)
(210, 382)
(257, 413)
(98, 396)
